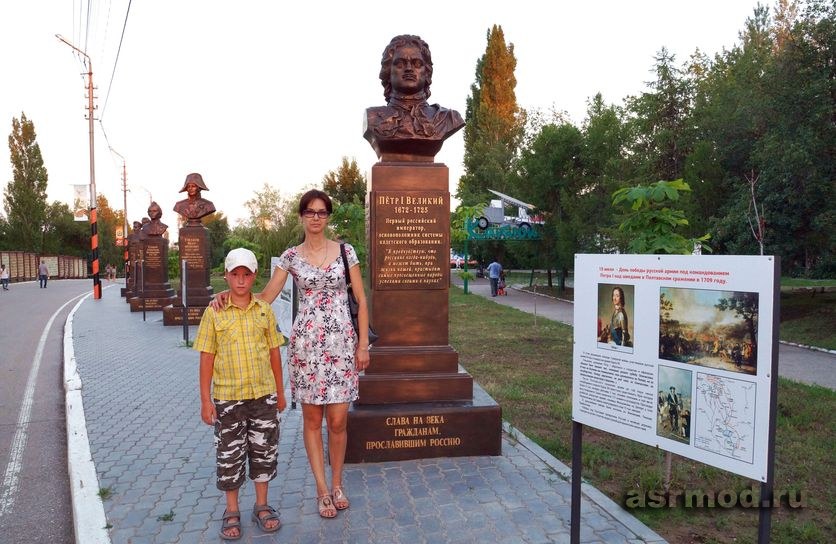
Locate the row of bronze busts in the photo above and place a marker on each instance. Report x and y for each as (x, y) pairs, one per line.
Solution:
(192, 209)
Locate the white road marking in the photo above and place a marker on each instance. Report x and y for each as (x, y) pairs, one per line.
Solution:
(10, 478)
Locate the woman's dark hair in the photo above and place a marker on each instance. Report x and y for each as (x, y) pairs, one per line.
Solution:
(312, 195)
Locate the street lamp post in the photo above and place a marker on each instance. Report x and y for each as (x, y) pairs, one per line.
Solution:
(94, 229)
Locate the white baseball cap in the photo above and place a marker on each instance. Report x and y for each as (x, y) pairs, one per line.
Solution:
(241, 257)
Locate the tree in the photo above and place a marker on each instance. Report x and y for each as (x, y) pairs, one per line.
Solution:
(108, 220)
(349, 225)
(25, 195)
(218, 227)
(273, 223)
(745, 306)
(661, 139)
(65, 235)
(495, 123)
(552, 176)
(346, 184)
(649, 223)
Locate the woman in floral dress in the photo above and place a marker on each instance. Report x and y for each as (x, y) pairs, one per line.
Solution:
(325, 353)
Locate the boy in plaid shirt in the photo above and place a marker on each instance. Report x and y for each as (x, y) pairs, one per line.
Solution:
(239, 359)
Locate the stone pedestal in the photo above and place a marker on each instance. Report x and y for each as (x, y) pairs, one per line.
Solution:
(153, 291)
(134, 250)
(415, 401)
(195, 250)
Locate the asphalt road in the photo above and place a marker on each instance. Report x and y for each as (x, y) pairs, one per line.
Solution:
(35, 504)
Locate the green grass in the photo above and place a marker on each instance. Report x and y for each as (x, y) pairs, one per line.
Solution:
(808, 317)
(802, 282)
(166, 517)
(528, 370)
(105, 493)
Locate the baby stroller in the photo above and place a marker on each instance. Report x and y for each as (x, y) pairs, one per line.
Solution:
(500, 286)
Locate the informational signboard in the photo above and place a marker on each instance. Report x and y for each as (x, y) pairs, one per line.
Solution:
(677, 352)
(283, 308)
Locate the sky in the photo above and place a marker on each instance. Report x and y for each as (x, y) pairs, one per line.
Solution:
(253, 92)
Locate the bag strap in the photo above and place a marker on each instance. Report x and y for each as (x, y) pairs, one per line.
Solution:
(345, 265)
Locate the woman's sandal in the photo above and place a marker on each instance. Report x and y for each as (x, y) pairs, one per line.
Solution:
(325, 504)
(340, 500)
(262, 520)
(225, 524)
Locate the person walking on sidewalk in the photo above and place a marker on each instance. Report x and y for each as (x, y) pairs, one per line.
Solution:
(239, 358)
(4, 277)
(43, 274)
(494, 273)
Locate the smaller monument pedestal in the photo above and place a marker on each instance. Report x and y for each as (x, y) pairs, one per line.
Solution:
(195, 250)
(134, 245)
(153, 291)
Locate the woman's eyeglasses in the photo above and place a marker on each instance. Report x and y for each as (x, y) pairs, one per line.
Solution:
(322, 214)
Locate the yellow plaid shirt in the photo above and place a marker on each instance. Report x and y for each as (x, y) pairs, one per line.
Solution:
(241, 340)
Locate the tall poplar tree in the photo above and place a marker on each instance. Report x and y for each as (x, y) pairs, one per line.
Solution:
(346, 184)
(495, 123)
(25, 195)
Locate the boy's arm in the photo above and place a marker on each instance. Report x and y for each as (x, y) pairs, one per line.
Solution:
(276, 366)
(207, 407)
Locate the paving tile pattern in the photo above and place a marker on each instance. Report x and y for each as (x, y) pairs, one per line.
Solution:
(155, 456)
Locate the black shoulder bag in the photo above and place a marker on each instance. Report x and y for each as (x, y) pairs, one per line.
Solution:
(352, 302)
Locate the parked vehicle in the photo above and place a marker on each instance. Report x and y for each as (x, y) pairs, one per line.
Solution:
(495, 213)
(457, 261)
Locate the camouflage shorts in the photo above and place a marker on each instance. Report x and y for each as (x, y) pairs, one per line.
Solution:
(246, 430)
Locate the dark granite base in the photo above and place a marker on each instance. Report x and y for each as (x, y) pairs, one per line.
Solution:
(398, 432)
(173, 315)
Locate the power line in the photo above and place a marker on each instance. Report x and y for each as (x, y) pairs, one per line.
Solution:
(116, 61)
(87, 30)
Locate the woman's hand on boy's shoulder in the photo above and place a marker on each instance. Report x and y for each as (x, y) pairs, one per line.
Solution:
(219, 301)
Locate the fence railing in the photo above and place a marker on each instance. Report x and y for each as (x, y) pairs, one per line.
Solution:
(23, 265)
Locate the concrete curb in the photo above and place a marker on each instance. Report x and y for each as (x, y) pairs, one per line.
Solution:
(89, 519)
(608, 505)
(805, 346)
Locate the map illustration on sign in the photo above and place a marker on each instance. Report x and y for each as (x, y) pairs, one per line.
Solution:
(725, 416)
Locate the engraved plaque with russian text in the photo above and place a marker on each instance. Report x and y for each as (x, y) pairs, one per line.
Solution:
(412, 235)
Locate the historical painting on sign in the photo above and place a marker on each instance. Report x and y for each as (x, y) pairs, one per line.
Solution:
(716, 329)
(673, 405)
(615, 316)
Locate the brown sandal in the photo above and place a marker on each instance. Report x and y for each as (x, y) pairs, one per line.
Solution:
(226, 524)
(325, 504)
(340, 499)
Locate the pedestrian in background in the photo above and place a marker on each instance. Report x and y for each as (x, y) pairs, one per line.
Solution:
(494, 273)
(43, 274)
(4, 277)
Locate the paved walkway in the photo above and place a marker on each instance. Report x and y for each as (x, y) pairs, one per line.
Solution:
(154, 458)
(810, 366)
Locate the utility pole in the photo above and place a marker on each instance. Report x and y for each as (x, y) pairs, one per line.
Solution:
(124, 212)
(94, 229)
